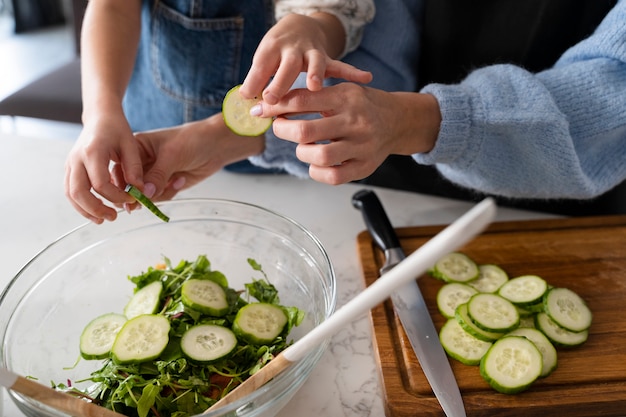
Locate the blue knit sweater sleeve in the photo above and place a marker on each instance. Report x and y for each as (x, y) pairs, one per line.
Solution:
(558, 133)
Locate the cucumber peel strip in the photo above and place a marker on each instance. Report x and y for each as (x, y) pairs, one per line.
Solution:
(146, 202)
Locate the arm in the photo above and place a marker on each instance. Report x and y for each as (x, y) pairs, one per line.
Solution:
(559, 133)
(109, 42)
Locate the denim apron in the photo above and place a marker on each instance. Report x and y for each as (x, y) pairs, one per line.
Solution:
(191, 53)
(457, 36)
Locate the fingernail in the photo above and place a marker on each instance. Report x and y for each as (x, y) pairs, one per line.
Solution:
(256, 110)
(127, 207)
(179, 183)
(149, 189)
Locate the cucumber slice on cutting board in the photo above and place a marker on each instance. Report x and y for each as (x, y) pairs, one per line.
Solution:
(98, 336)
(461, 345)
(490, 278)
(525, 290)
(511, 364)
(547, 349)
(493, 313)
(455, 267)
(236, 114)
(567, 309)
(452, 295)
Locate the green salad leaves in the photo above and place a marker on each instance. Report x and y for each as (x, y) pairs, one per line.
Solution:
(174, 384)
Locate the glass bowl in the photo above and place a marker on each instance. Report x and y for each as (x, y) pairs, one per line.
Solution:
(85, 273)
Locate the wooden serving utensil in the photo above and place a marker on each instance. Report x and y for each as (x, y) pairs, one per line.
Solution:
(56, 399)
(451, 238)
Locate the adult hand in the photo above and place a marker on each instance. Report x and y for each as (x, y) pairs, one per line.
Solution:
(179, 157)
(87, 176)
(298, 44)
(359, 128)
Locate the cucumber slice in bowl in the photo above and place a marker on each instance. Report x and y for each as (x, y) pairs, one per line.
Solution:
(141, 339)
(236, 114)
(511, 364)
(259, 323)
(205, 296)
(208, 342)
(98, 336)
(144, 301)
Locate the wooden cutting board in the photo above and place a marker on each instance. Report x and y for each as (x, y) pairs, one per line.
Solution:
(587, 255)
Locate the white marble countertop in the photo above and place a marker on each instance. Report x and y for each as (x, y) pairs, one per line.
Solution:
(34, 212)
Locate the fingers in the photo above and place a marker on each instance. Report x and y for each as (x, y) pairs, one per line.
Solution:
(258, 77)
(339, 69)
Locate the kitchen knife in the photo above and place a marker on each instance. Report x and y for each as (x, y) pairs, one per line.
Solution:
(411, 308)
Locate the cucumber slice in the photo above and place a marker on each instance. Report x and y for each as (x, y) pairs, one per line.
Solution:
(461, 345)
(557, 334)
(490, 278)
(524, 290)
(259, 323)
(567, 309)
(145, 301)
(511, 365)
(146, 202)
(493, 313)
(236, 114)
(205, 296)
(548, 352)
(451, 295)
(141, 339)
(455, 267)
(526, 321)
(469, 326)
(98, 336)
(208, 342)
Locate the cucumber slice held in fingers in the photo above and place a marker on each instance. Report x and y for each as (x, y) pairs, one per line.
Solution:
(146, 202)
(236, 114)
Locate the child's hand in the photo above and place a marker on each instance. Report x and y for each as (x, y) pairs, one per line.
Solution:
(296, 44)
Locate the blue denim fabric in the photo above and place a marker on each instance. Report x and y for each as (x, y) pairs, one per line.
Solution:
(390, 45)
(190, 54)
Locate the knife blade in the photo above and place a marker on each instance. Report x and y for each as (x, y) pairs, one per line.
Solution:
(411, 308)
